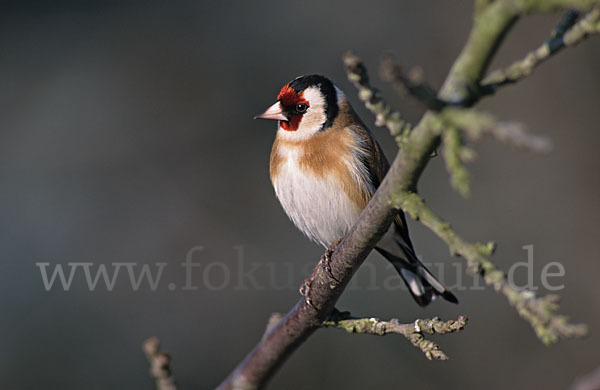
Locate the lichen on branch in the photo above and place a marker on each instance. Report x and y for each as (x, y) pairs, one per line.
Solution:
(413, 331)
(460, 91)
(475, 124)
(160, 365)
(371, 97)
(567, 34)
(540, 312)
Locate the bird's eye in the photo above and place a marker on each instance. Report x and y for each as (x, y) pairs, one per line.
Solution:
(301, 108)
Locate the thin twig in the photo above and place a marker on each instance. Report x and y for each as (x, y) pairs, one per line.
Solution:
(568, 33)
(413, 331)
(540, 312)
(476, 124)
(411, 82)
(455, 155)
(160, 368)
(384, 114)
(492, 22)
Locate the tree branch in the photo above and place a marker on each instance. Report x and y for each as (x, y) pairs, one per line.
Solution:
(160, 362)
(566, 34)
(540, 312)
(413, 331)
(384, 114)
(455, 156)
(475, 124)
(492, 20)
(491, 23)
(326, 288)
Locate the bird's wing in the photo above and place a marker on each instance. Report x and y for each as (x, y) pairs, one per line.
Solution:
(421, 283)
(377, 165)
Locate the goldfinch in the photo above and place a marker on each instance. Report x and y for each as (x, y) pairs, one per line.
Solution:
(325, 166)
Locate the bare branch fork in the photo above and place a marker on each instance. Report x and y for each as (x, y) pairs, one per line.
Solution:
(447, 124)
(568, 33)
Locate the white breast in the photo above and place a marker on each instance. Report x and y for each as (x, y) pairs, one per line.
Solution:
(318, 206)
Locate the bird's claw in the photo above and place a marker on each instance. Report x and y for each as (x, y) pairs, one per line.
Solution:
(325, 264)
(325, 260)
(305, 290)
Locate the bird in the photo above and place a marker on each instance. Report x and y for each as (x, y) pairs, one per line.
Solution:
(325, 166)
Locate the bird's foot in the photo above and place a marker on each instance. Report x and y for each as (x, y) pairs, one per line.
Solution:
(325, 260)
(324, 264)
(305, 290)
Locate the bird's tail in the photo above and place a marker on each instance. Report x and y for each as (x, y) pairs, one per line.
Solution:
(423, 286)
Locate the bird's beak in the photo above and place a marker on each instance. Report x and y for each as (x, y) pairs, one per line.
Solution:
(273, 112)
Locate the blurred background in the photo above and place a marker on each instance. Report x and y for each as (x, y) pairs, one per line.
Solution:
(127, 137)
